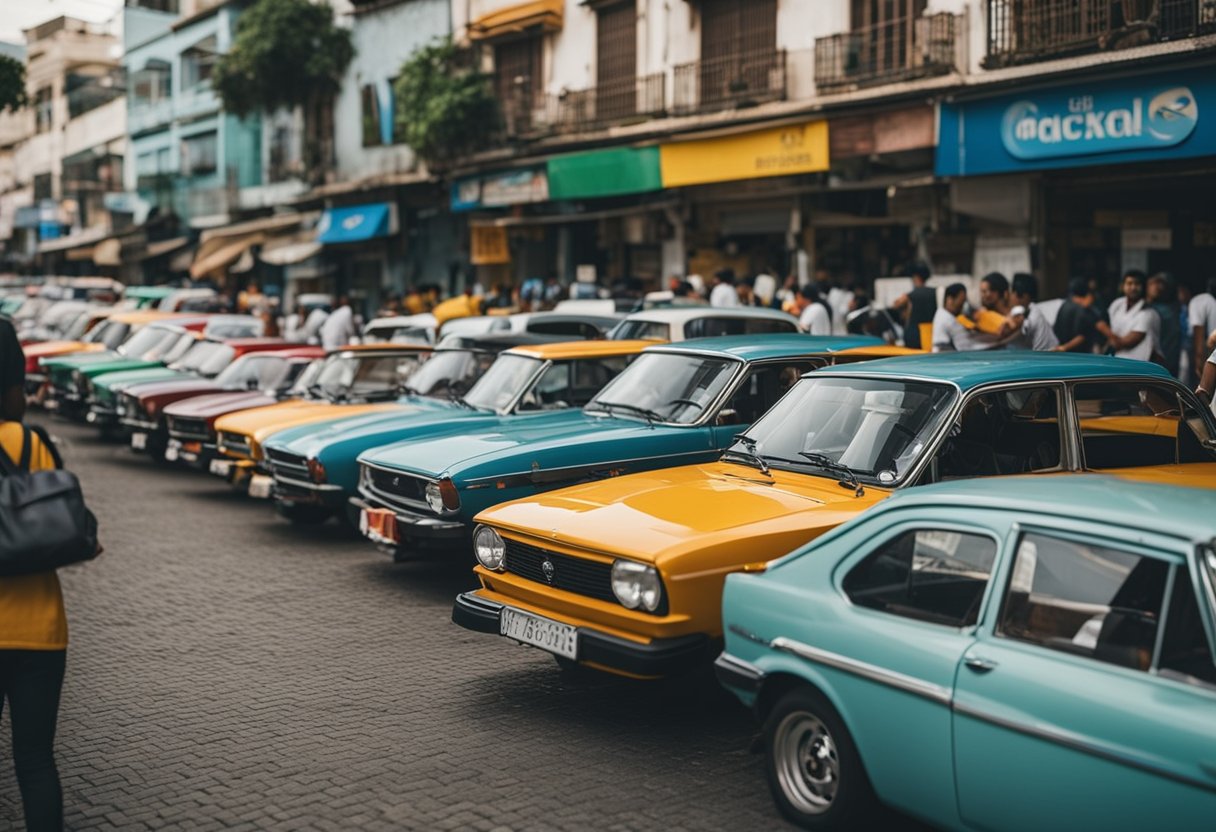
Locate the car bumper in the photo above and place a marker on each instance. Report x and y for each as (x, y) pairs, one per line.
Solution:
(310, 493)
(738, 676)
(658, 657)
(138, 424)
(416, 528)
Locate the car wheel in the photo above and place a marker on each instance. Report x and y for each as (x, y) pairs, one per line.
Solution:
(301, 515)
(813, 768)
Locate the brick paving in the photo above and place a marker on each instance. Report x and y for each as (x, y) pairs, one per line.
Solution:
(229, 671)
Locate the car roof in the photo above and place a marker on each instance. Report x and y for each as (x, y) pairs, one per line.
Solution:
(147, 291)
(143, 316)
(769, 345)
(308, 353)
(972, 369)
(582, 349)
(503, 340)
(1176, 510)
(245, 343)
(683, 314)
(422, 319)
(382, 348)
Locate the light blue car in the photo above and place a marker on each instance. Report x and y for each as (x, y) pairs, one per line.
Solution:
(1036, 653)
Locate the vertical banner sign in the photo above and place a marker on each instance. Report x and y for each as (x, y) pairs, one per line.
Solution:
(488, 245)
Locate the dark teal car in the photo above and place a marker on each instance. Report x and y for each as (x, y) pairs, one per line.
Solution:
(678, 404)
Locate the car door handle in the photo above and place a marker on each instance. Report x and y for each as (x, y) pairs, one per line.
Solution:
(980, 664)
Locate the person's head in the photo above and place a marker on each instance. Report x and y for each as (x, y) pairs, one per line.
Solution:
(683, 289)
(252, 288)
(954, 298)
(726, 276)
(745, 288)
(1024, 289)
(1080, 292)
(1160, 289)
(1133, 285)
(809, 293)
(919, 272)
(343, 300)
(994, 291)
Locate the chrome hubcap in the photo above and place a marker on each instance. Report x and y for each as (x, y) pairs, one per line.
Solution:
(808, 767)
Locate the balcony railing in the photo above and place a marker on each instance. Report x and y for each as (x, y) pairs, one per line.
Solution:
(899, 50)
(741, 79)
(1023, 31)
(577, 111)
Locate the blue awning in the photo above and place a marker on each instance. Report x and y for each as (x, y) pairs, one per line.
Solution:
(356, 223)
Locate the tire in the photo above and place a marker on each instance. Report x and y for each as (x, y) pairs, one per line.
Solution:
(301, 515)
(814, 771)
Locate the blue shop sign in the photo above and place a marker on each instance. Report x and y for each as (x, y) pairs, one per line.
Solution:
(1166, 116)
(357, 223)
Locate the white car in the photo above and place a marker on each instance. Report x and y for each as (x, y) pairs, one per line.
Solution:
(684, 322)
(401, 329)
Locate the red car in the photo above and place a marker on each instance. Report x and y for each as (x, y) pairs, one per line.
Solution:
(190, 422)
(227, 364)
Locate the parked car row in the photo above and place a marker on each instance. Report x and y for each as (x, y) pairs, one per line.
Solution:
(976, 588)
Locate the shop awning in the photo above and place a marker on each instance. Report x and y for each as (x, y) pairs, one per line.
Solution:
(288, 251)
(88, 237)
(161, 247)
(356, 223)
(600, 173)
(108, 252)
(545, 14)
(219, 258)
(220, 247)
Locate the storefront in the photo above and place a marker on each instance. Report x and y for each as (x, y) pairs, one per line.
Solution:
(358, 242)
(1108, 174)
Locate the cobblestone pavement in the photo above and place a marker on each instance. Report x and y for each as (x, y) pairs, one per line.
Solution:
(228, 670)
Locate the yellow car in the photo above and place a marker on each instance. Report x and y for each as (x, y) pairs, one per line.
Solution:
(352, 380)
(626, 575)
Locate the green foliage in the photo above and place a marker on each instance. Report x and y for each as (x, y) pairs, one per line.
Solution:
(12, 84)
(445, 106)
(286, 53)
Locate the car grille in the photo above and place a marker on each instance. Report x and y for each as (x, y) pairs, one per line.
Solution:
(584, 577)
(287, 466)
(189, 429)
(396, 488)
(235, 443)
(128, 406)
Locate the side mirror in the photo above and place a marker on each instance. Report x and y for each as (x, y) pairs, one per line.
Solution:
(251, 384)
(727, 416)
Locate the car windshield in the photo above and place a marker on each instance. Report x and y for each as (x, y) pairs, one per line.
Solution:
(307, 378)
(876, 428)
(219, 358)
(75, 330)
(628, 330)
(268, 371)
(146, 340)
(201, 355)
(668, 387)
(449, 372)
(373, 376)
(503, 383)
(172, 349)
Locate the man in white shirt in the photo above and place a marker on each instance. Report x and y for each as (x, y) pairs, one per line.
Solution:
(1036, 331)
(724, 294)
(1207, 382)
(1202, 314)
(948, 334)
(1135, 328)
(339, 327)
(815, 319)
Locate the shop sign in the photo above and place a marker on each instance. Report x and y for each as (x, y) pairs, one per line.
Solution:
(1163, 116)
(1157, 238)
(515, 188)
(488, 245)
(778, 151)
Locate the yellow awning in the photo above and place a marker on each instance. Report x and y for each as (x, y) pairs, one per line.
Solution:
(108, 252)
(545, 14)
(219, 258)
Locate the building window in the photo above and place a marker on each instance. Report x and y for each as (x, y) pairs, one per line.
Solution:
(370, 112)
(170, 6)
(517, 81)
(151, 84)
(616, 61)
(200, 154)
(44, 110)
(198, 63)
(42, 187)
(398, 122)
(740, 63)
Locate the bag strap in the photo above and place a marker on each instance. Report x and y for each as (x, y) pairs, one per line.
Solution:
(27, 447)
(48, 444)
(7, 466)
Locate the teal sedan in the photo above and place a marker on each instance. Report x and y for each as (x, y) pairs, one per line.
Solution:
(1033, 654)
(678, 404)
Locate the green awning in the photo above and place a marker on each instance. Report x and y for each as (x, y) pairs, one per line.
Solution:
(622, 170)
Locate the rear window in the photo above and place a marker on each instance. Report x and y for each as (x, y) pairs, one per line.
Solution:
(1136, 424)
(641, 331)
(712, 327)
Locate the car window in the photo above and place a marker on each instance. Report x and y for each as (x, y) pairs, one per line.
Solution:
(1134, 424)
(1185, 652)
(591, 375)
(268, 371)
(761, 388)
(927, 574)
(641, 331)
(1015, 431)
(502, 383)
(551, 391)
(1085, 599)
(671, 387)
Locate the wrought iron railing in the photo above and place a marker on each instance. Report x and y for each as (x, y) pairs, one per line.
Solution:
(578, 111)
(898, 50)
(740, 79)
(1023, 31)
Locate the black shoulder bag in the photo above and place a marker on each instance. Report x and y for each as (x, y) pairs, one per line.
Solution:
(44, 523)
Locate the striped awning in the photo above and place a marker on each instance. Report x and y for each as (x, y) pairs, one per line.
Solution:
(543, 14)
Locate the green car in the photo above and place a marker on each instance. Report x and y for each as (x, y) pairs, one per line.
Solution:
(145, 297)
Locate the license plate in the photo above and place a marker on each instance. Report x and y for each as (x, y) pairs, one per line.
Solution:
(172, 451)
(221, 467)
(260, 486)
(561, 639)
(139, 441)
(378, 525)
(51, 404)
(191, 448)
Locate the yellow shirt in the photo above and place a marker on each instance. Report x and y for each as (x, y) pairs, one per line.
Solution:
(31, 606)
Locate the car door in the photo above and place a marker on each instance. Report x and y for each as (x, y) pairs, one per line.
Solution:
(1089, 698)
(759, 389)
(916, 590)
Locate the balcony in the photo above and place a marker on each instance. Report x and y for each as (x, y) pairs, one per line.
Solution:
(1024, 31)
(742, 79)
(597, 108)
(896, 50)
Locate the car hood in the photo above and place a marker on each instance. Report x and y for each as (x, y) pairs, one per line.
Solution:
(517, 444)
(722, 512)
(261, 422)
(382, 426)
(124, 378)
(122, 365)
(217, 404)
(49, 349)
(74, 360)
(172, 389)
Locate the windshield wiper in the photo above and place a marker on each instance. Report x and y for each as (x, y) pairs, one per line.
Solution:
(458, 400)
(650, 416)
(749, 457)
(823, 461)
(316, 391)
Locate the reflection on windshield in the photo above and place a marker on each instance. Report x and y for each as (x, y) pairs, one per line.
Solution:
(669, 387)
(144, 340)
(503, 382)
(364, 376)
(641, 331)
(216, 360)
(307, 378)
(876, 427)
(198, 356)
(449, 372)
(171, 351)
(267, 370)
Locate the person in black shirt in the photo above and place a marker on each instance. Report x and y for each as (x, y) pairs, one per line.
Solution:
(920, 303)
(1079, 327)
(12, 374)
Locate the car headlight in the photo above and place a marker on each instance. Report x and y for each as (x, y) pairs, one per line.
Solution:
(442, 497)
(315, 469)
(636, 585)
(489, 548)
